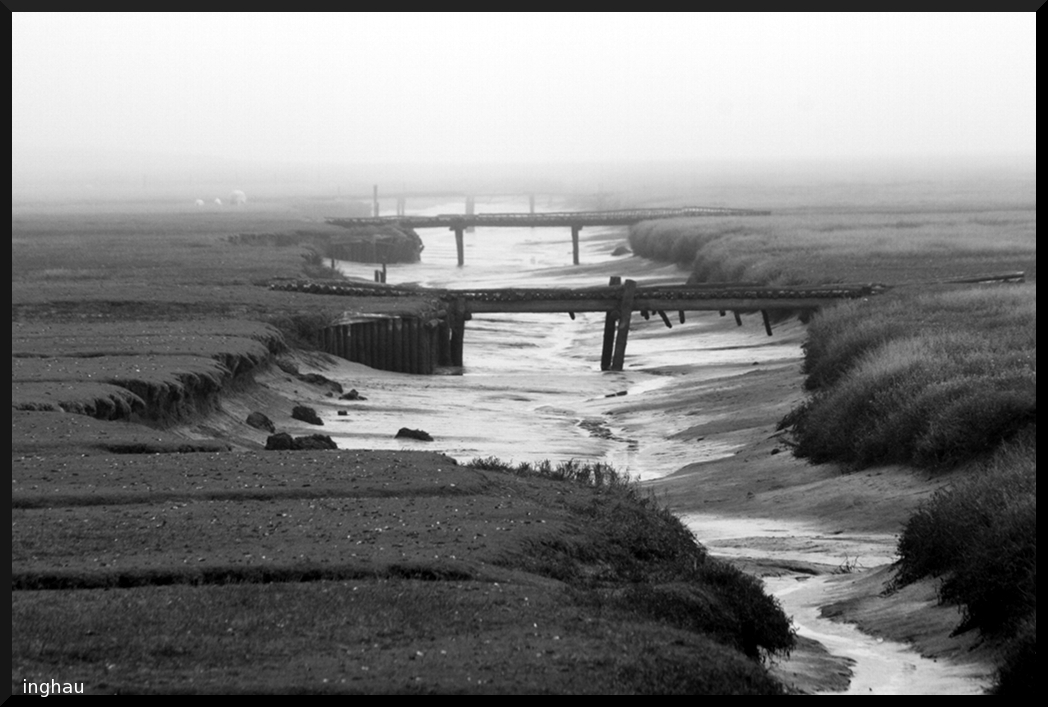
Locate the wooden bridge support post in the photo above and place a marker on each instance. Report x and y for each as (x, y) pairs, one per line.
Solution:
(575, 244)
(460, 246)
(609, 331)
(767, 322)
(738, 319)
(625, 311)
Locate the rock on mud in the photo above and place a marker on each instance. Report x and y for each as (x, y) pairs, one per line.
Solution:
(261, 422)
(323, 381)
(414, 434)
(306, 414)
(284, 441)
(280, 441)
(315, 442)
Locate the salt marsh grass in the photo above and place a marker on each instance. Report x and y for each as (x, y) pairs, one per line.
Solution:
(929, 375)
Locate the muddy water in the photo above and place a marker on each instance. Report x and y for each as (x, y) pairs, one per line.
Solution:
(531, 389)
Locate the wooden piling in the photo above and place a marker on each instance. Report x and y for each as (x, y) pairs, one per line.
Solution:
(460, 246)
(427, 346)
(398, 345)
(738, 319)
(444, 343)
(681, 315)
(609, 331)
(767, 322)
(625, 310)
(363, 343)
(575, 243)
(665, 319)
(353, 339)
(458, 331)
(375, 346)
(412, 351)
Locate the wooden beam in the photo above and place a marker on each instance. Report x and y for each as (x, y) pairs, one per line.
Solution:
(607, 304)
(767, 322)
(460, 246)
(609, 332)
(625, 310)
(575, 243)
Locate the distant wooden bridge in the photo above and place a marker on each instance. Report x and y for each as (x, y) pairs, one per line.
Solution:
(576, 220)
(414, 346)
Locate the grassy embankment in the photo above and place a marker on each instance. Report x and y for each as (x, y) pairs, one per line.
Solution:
(939, 377)
(308, 571)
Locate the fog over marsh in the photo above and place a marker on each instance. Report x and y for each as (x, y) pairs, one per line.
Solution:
(166, 101)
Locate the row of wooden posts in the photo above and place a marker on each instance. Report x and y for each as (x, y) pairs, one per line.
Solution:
(403, 344)
(419, 345)
(460, 244)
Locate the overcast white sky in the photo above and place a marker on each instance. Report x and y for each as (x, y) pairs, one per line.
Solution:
(348, 89)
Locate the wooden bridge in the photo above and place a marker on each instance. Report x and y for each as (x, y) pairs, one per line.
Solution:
(576, 220)
(414, 346)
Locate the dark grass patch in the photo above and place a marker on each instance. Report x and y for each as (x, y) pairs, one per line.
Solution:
(123, 498)
(362, 636)
(980, 537)
(1019, 672)
(626, 539)
(231, 574)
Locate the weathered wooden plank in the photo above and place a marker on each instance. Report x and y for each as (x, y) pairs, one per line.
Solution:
(609, 305)
(623, 332)
(609, 332)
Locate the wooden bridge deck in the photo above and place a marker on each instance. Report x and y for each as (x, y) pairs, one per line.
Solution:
(624, 217)
(607, 298)
(442, 339)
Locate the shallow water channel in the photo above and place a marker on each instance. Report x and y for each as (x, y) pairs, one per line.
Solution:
(531, 389)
